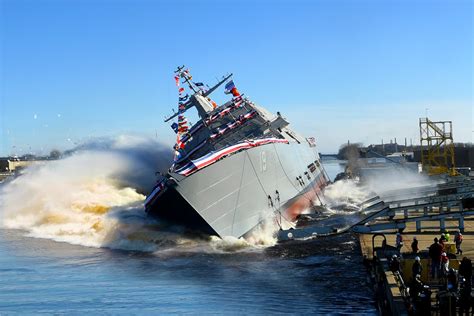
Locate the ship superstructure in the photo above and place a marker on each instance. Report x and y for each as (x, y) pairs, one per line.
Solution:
(235, 166)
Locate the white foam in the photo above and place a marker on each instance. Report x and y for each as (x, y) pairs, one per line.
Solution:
(70, 200)
(344, 197)
(92, 198)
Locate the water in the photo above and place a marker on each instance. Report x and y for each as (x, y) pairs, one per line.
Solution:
(334, 166)
(179, 275)
(43, 276)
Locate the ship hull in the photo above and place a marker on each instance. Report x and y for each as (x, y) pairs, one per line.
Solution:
(233, 195)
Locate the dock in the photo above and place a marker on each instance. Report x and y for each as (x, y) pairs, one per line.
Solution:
(425, 217)
(392, 287)
(422, 212)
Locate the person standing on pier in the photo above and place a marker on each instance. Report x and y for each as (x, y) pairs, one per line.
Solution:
(399, 241)
(417, 267)
(435, 251)
(442, 240)
(416, 288)
(458, 241)
(414, 245)
(444, 264)
(395, 264)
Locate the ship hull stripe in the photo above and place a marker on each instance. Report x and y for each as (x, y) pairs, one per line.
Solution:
(231, 195)
(211, 158)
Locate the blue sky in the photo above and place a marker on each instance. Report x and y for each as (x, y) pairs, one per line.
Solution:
(338, 70)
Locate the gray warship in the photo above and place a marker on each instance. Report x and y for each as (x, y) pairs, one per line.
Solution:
(236, 166)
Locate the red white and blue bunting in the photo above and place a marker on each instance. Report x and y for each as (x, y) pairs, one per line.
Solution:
(234, 105)
(212, 157)
(237, 103)
(231, 125)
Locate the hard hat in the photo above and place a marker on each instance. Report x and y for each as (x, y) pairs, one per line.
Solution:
(443, 254)
(394, 256)
(417, 258)
(414, 237)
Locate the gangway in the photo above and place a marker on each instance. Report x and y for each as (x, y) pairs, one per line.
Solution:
(443, 203)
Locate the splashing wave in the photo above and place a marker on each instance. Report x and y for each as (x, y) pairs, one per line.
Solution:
(345, 197)
(94, 197)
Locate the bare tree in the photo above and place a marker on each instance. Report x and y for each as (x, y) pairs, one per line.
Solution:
(55, 154)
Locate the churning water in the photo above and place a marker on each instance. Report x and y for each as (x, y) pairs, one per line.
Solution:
(74, 239)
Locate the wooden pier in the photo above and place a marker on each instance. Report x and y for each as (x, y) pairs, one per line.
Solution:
(425, 217)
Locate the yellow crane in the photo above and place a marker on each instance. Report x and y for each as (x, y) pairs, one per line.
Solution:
(437, 147)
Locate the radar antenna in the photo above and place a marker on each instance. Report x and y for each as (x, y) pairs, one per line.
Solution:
(187, 77)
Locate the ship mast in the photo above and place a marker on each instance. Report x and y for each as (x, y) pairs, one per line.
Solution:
(185, 74)
(193, 102)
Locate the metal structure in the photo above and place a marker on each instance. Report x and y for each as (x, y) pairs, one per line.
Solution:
(437, 147)
(443, 203)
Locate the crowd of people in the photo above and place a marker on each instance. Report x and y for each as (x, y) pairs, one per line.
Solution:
(456, 285)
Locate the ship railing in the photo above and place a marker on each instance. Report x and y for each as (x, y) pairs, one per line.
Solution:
(186, 157)
(233, 105)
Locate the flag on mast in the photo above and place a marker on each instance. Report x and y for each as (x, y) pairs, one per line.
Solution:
(229, 86)
(181, 127)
